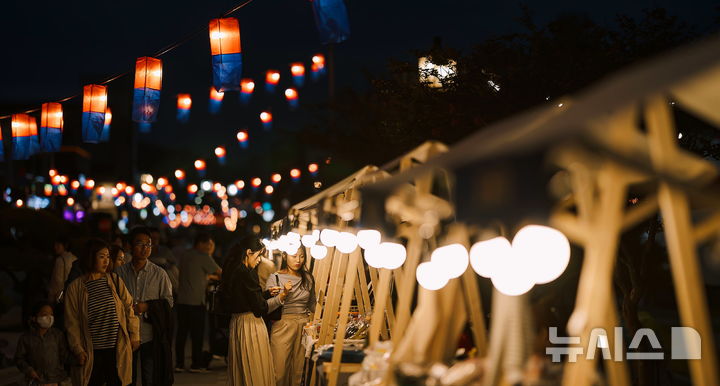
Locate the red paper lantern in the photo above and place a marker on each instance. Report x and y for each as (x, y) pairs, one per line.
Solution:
(24, 136)
(184, 101)
(247, 86)
(94, 108)
(272, 77)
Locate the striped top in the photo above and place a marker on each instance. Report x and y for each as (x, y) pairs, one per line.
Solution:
(102, 318)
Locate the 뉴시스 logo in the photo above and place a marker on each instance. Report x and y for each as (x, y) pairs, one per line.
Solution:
(686, 345)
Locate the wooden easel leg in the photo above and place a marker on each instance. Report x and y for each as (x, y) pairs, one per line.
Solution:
(689, 288)
(595, 287)
(343, 318)
(381, 300)
(675, 210)
(407, 292)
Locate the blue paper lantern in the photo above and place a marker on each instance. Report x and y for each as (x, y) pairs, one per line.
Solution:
(94, 108)
(51, 127)
(226, 53)
(332, 20)
(146, 94)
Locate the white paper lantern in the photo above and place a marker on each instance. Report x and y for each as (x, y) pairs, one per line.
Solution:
(374, 256)
(346, 242)
(283, 243)
(512, 278)
(394, 255)
(308, 240)
(318, 252)
(430, 277)
(485, 255)
(329, 237)
(452, 259)
(293, 247)
(368, 238)
(544, 250)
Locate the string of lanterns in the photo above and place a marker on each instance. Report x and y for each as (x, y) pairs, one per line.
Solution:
(544, 250)
(226, 57)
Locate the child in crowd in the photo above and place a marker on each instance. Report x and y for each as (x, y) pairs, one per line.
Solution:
(42, 351)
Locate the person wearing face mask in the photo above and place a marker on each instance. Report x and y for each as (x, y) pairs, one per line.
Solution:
(42, 352)
(298, 303)
(103, 330)
(249, 358)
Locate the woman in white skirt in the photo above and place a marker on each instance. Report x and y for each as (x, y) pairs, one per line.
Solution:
(249, 358)
(286, 336)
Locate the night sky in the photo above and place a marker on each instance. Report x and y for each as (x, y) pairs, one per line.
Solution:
(52, 48)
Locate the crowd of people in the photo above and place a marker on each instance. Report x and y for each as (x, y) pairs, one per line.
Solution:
(114, 311)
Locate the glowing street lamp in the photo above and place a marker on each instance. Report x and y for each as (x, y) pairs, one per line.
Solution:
(433, 75)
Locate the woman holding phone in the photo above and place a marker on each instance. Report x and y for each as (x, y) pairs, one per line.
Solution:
(249, 358)
(298, 303)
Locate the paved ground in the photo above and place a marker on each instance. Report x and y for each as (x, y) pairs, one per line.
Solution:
(217, 375)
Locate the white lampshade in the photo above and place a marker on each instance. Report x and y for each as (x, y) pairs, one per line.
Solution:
(394, 255)
(293, 236)
(316, 234)
(274, 245)
(346, 242)
(329, 237)
(513, 282)
(511, 275)
(318, 252)
(293, 248)
(374, 256)
(308, 240)
(283, 243)
(545, 251)
(430, 277)
(453, 259)
(484, 255)
(368, 238)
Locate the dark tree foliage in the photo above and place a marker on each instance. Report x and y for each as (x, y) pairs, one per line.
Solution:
(530, 67)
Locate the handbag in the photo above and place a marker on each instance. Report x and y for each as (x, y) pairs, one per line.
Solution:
(277, 314)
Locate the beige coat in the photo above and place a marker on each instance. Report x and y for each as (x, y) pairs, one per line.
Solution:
(78, 330)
